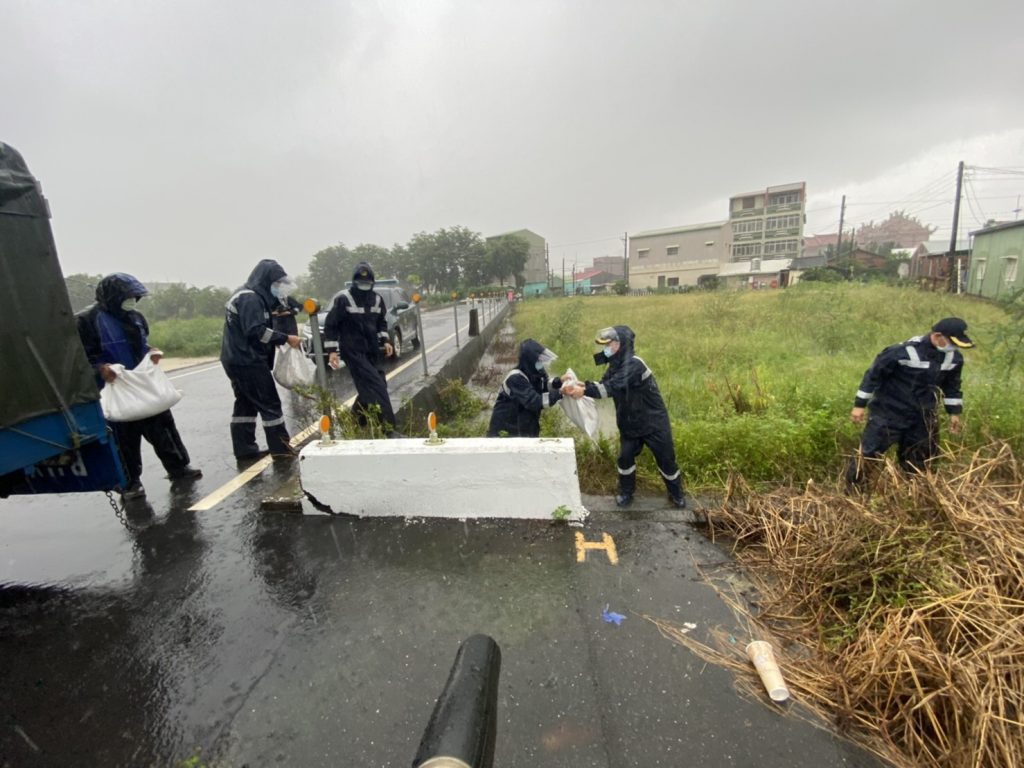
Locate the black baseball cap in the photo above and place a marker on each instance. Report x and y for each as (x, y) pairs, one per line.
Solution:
(954, 329)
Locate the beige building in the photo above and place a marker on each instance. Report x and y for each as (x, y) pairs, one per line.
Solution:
(768, 223)
(535, 273)
(678, 256)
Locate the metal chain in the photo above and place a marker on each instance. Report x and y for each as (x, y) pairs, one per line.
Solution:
(119, 512)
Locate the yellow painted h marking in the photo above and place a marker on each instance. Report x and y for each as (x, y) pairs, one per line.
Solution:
(606, 543)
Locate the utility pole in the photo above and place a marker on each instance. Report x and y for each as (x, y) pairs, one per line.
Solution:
(839, 239)
(563, 275)
(954, 260)
(625, 257)
(547, 265)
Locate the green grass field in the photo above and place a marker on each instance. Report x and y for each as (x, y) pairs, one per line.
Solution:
(763, 382)
(195, 337)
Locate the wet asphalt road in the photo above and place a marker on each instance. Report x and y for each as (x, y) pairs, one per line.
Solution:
(257, 638)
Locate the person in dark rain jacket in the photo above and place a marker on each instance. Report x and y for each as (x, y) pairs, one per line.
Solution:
(640, 412)
(244, 352)
(901, 389)
(113, 331)
(355, 331)
(524, 393)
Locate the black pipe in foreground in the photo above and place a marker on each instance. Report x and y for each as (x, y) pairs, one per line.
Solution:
(463, 726)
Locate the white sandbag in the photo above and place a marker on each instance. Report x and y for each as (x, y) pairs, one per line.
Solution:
(292, 368)
(582, 412)
(138, 393)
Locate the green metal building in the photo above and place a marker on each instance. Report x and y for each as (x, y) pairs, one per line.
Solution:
(995, 260)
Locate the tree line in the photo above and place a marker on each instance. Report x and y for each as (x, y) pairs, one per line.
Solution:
(453, 259)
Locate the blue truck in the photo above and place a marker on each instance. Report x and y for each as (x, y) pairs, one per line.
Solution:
(53, 437)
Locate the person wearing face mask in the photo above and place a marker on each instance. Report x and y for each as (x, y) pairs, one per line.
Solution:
(524, 393)
(113, 331)
(640, 412)
(245, 348)
(284, 314)
(901, 392)
(355, 331)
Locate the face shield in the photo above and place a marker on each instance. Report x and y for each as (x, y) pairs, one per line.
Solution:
(607, 341)
(283, 288)
(545, 357)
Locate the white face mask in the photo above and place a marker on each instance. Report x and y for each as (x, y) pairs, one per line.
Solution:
(129, 304)
(947, 348)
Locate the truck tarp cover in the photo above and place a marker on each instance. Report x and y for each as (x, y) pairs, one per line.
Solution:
(42, 364)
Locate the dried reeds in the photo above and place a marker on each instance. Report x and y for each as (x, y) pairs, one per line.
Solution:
(900, 615)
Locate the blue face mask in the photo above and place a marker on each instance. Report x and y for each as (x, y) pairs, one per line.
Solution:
(539, 365)
(608, 351)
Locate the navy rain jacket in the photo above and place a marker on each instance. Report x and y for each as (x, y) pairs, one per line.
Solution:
(904, 382)
(248, 328)
(639, 409)
(357, 321)
(523, 395)
(111, 334)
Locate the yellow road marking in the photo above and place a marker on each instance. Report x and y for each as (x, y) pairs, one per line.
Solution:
(243, 477)
(607, 544)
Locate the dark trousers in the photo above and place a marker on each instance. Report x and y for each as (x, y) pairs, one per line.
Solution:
(371, 387)
(664, 451)
(255, 394)
(916, 440)
(161, 432)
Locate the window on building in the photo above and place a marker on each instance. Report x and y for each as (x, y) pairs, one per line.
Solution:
(673, 281)
(979, 270)
(672, 250)
(661, 281)
(784, 199)
(1010, 269)
(643, 253)
(783, 222)
(744, 227)
(748, 203)
(782, 246)
(746, 250)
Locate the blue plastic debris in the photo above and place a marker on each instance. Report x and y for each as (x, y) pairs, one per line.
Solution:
(612, 617)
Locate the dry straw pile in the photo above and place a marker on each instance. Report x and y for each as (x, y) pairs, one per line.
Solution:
(899, 615)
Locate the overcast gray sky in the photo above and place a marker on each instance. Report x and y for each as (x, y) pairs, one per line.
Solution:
(187, 140)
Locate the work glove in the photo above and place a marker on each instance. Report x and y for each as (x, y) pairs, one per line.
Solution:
(556, 383)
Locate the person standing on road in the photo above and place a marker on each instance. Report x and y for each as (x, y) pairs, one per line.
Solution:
(524, 393)
(113, 331)
(248, 334)
(640, 412)
(355, 331)
(901, 389)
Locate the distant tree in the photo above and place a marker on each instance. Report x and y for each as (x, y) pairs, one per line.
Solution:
(822, 275)
(328, 271)
(506, 257)
(899, 230)
(620, 287)
(465, 253)
(81, 289)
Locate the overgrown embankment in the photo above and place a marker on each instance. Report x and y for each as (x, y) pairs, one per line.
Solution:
(898, 616)
(761, 383)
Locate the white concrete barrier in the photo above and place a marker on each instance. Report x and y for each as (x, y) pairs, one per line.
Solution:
(527, 478)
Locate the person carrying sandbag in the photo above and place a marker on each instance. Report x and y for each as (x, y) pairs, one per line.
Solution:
(114, 333)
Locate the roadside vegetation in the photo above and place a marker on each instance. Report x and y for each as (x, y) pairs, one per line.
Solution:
(761, 383)
(192, 337)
